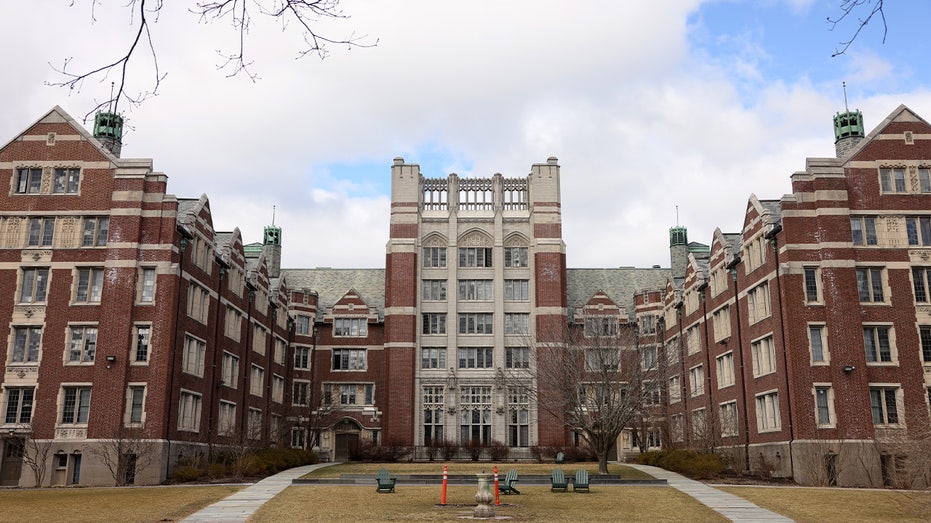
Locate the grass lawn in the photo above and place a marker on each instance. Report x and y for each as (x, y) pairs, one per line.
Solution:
(535, 503)
(135, 504)
(456, 467)
(828, 505)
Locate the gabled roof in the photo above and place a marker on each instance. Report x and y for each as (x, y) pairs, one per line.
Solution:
(331, 285)
(58, 115)
(901, 114)
(619, 284)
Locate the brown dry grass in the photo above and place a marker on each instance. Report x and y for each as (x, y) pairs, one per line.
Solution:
(134, 504)
(470, 468)
(831, 505)
(535, 503)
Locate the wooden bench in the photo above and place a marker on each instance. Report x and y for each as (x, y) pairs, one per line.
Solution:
(581, 481)
(508, 485)
(558, 481)
(385, 481)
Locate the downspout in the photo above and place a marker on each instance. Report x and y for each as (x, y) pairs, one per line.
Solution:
(246, 371)
(732, 266)
(182, 246)
(269, 376)
(704, 311)
(213, 382)
(683, 390)
(771, 236)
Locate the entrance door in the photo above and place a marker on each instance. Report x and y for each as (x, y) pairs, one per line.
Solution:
(75, 469)
(12, 464)
(346, 445)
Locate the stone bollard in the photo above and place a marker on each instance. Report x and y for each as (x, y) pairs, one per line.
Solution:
(484, 498)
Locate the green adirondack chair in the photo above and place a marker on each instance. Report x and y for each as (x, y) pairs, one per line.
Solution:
(508, 485)
(385, 481)
(581, 481)
(558, 481)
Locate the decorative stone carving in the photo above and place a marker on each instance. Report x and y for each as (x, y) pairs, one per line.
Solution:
(21, 371)
(70, 433)
(47, 174)
(475, 239)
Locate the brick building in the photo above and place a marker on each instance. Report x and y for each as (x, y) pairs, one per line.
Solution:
(799, 346)
(136, 333)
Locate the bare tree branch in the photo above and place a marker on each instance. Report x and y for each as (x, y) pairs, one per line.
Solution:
(306, 14)
(848, 7)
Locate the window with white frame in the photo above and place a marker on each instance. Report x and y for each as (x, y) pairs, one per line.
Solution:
(818, 344)
(75, 405)
(348, 394)
(870, 284)
(198, 302)
(691, 299)
(699, 424)
(758, 302)
(863, 230)
(598, 359)
(95, 232)
(298, 437)
(516, 257)
(26, 343)
(476, 322)
(516, 323)
(255, 423)
(434, 256)
(812, 279)
(764, 356)
(66, 181)
(19, 405)
(277, 388)
(718, 281)
(600, 326)
(755, 253)
(434, 323)
(280, 348)
(350, 327)
(433, 290)
(300, 393)
(433, 415)
(892, 180)
(877, 340)
(303, 325)
(475, 256)
(475, 357)
(192, 359)
(721, 320)
(767, 412)
(88, 285)
(918, 230)
(697, 380)
(135, 405)
(28, 180)
(349, 359)
(693, 339)
(301, 357)
(517, 357)
(259, 339)
(675, 389)
(475, 414)
(257, 381)
(82, 345)
(924, 335)
(924, 179)
(518, 417)
(884, 404)
(229, 369)
(476, 290)
(921, 278)
(648, 359)
(725, 367)
(516, 290)
(232, 327)
(34, 284)
(727, 412)
(647, 323)
(146, 292)
(433, 358)
(41, 232)
(824, 405)
(226, 418)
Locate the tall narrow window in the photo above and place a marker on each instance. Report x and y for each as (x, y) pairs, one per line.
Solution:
(433, 406)
(147, 285)
(518, 418)
(920, 282)
(767, 412)
(96, 230)
(863, 230)
(870, 284)
(918, 230)
(67, 181)
(475, 414)
(41, 232)
(925, 336)
(26, 341)
(189, 411)
(35, 285)
(28, 180)
(135, 404)
(884, 405)
(812, 287)
(818, 344)
(823, 407)
(877, 344)
(89, 285)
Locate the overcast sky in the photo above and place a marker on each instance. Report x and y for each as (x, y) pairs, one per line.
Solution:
(649, 106)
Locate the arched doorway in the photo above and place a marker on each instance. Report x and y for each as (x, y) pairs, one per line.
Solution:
(346, 433)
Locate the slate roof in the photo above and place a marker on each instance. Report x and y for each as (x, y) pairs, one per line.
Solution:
(332, 284)
(619, 284)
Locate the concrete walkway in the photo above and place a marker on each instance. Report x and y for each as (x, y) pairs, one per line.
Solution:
(730, 506)
(241, 505)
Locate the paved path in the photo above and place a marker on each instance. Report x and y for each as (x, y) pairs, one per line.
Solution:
(241, 505)
(730, 506)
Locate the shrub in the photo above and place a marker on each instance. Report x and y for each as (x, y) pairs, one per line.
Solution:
(450, 450)
(497, 451)
(474, 448)
(694, 464)
(187, 473)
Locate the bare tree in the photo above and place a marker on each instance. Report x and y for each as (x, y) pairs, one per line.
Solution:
(593, 380)
(125, 455)
(851, 8)
(303, 16)
(35, 455)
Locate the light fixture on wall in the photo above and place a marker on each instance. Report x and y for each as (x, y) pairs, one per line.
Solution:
(849, 368)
